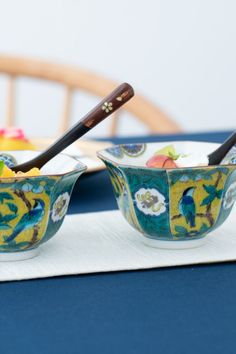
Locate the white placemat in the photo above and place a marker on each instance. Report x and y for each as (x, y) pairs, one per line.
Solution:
(104, 242)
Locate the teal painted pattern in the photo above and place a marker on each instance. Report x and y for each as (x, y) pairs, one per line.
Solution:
(196, 196)
(24, 210)
(32, 209)
(228, 197)
(150, 197)
(59, 203)
(174, 204)
(122, 195)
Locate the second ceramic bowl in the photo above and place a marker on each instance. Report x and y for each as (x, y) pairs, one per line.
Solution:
(175, 207)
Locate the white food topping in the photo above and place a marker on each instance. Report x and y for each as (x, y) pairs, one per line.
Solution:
(192, 160)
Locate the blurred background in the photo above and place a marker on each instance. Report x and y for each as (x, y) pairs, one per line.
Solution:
(179, 54)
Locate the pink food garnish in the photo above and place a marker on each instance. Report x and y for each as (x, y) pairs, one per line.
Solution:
(12, 133)
(161, 161)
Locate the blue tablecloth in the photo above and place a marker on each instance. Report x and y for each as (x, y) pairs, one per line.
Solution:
(176, 310)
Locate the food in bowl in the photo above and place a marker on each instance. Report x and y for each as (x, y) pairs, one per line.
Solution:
(14, 139)
(33, 206)
(6, 172)
(171, 207)
(168, 157)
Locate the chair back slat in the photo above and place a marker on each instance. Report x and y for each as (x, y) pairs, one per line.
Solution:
(10, 101)
(114, 123)
(73, 78)
(65, 119)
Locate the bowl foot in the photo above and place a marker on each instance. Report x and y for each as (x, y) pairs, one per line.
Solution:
(174, 245)
(18, 256)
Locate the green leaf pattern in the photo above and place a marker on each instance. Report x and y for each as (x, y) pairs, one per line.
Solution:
(213, 194)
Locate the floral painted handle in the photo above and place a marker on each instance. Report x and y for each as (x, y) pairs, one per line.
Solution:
(110, 104)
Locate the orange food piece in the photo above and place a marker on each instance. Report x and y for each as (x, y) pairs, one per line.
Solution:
(161, 161)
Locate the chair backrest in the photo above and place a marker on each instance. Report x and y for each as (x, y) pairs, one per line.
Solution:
(72, 79)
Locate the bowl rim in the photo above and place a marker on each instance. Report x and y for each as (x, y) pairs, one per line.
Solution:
(125, 165)
(81, 167)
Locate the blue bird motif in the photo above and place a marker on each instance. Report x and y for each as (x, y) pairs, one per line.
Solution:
(187, 206)
(29, 219)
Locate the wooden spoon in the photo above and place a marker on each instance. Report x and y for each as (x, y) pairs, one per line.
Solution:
(218, 155)
(110, 104)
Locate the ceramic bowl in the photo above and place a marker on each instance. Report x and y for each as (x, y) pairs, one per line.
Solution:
(32, 209)
(171, 208)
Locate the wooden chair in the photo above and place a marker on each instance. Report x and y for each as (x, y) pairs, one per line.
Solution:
(72, 79)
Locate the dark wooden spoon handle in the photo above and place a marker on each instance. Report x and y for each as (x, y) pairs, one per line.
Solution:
(217, 156)
(110, 104)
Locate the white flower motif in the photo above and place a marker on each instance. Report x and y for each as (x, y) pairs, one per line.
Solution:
(107, 107)
(230, 196)
(150, 201)
(60, 206)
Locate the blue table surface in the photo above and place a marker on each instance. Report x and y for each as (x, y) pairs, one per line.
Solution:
(172, 310)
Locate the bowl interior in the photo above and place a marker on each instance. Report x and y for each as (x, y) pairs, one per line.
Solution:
(59, 165)
(138, 154)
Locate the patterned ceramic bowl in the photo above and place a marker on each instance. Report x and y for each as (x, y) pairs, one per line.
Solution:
(32, 209)
(172, 208)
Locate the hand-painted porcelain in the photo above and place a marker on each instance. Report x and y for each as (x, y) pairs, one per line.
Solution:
(32, 209)
(172, 208)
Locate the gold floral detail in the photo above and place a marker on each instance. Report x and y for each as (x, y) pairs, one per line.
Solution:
(107, 107)
(150, 201)
(123, 95)
(60, 207)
